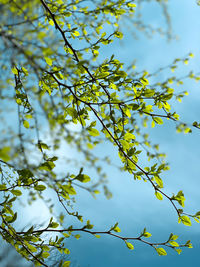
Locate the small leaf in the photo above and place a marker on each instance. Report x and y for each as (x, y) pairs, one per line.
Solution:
(25, 71)
(48, 61)
(66, 251)
(31, 248)
(196, 220)
(97, 236)
(77, 236)
(185, 220)
(158, 195)
(40, 187)
(14, 71)
(47, 166)
(158, 120)
(127, 112)
(53, 225)
(66, 235)
(159, 181)
(11, 219)
(93, 132)
(51, 22)
(174, 244)
(66, 264)
(26, 124)
(83, 178)
(129, 245)
(173, 237)
(117, 229)
(16, 192)
(146, 234)
(76, 33)
(178, 250)
(2, 187)
(161, 251)
(4, 153)
(45, 254)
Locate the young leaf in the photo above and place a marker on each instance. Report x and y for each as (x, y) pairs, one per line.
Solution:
(93, 132)
(48, 61)
(16, 192)
(158, 120)
(26, 124)
(129, 245)
(40, 187)
(161, 251)
(158, 195)
(185, 220)
(174, 244)
(146, 234)
(66, 264)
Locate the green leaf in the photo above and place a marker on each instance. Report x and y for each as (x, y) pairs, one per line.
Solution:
(188, 244)
(3, 187)
(69, 189)
(53, 225)
(66, 235)
(135, 106)
(10, 219)
(16, 192)
(45, 255)
(26, 124)
(40, 187)
(119, 34)
(145, 82)
(158, 120)
(93, 132)
(129, 136)
(158, 195)
(76, 33)
(77, 236)
(89, 225)
(4, 153)
(129, 245)
(161, 251)
(146, 234)
(66, 264)
(31, 248)
(180, 198)
(173, 237)
(127, 112)
(45, 248)
(25, 71)
(83, 178)
(14, 71)
(42, 146)
(66, 251)
(48, 61)
(174, 244)
(178, 250)
(47, 166)
(117, 229)
(185, 220)
(158, 181)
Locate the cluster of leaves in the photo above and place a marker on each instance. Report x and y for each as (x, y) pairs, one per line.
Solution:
(56, 78)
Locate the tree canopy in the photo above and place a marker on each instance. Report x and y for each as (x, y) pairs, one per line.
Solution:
(58, 88)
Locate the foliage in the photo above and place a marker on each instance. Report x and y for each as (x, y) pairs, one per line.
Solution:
(55, 78)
